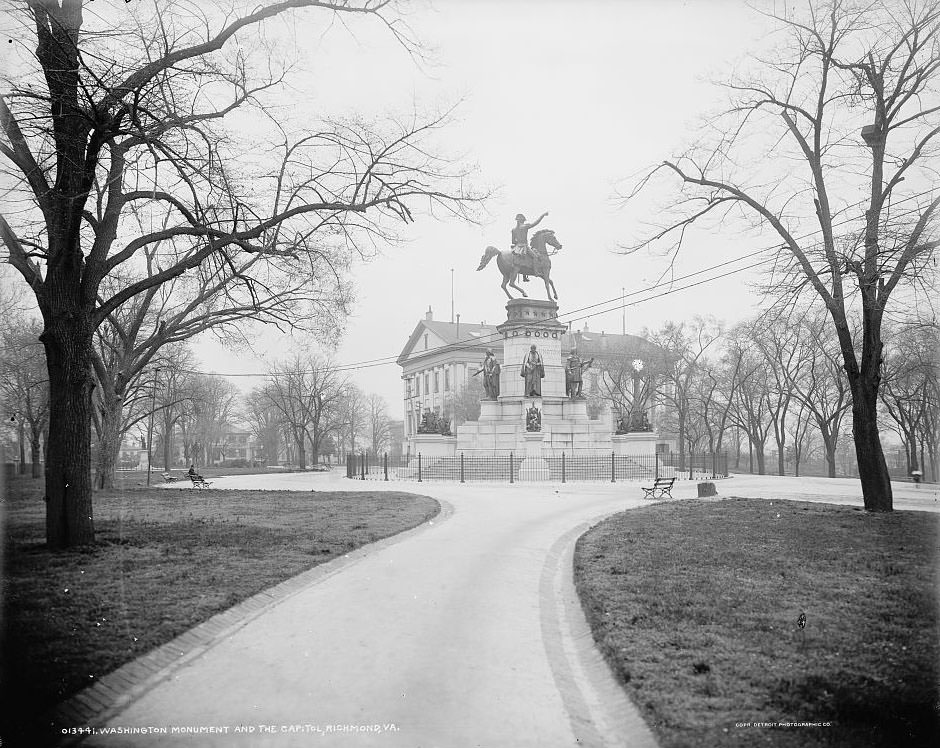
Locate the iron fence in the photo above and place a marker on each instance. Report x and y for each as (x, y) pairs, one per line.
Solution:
(512, 467)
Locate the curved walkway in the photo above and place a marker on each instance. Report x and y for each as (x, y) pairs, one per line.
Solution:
(464, 632)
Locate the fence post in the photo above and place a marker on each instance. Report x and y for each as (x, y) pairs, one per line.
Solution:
(656, 458)
(510, 468)
(461, 467)
(612, 478)
(385, 463)
(419, 467)
(562, 467)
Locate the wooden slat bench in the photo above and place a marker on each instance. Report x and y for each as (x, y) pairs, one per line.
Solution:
(661, 487)
(199, 481)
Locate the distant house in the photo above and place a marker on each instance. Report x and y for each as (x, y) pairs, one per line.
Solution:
(237, 444)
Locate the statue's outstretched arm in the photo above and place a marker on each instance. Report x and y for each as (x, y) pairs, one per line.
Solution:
(538, 220)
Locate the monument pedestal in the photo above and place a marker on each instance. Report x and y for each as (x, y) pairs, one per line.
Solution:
(490, 410)
(531, 322)
(635, 443)
(434, 445)
(533, 467)
(566, 427)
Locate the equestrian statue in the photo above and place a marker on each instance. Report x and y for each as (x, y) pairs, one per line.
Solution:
(527, 260)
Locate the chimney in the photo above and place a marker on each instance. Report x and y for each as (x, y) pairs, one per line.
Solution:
(457, 334)
(429, 315)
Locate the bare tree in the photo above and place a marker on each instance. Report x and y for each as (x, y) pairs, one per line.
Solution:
(307, 394)
(685, 346)
(791, 153)
(263, 420)
(173, 395)
(136, 108)
(802, 439)
(24, 386)
(717, 390)
(777, 339)
(910, 386)
(749, 410)
(378, 423)
(351, 418)
(818, 382)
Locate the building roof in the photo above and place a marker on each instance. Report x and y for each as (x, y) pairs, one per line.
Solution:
(470, 337)
(461, 336)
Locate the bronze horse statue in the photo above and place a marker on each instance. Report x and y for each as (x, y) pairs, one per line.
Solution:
(511, 264)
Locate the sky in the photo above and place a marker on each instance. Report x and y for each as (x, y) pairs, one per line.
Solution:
(558, 104)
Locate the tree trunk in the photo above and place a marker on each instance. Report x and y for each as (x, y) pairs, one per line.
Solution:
(167, 445)
(830, 457)
(682, 443)
(34, 455)
(21, 438)
(67, 339)
(109, 441)
(872, 466)
(761, 461)
(302, 451)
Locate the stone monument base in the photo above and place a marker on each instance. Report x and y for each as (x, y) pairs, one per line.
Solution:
(434, 445)
(565, 428)
(533, 467)
(634, 443)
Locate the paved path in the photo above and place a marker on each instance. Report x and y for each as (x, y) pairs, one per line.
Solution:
(465, 632)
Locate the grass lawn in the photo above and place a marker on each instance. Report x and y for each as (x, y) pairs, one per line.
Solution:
(695, 604)
(165, 560)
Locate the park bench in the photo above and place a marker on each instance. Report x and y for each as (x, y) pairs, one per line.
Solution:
(199, 481)
(169, 477)
(661, 487)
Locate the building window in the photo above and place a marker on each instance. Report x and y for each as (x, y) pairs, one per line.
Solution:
(407, 388)
(437, 382)
(446, 380)
(417, 385)
(425, 341)
(427, 385)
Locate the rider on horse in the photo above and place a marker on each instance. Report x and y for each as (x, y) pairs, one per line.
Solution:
(520, 238)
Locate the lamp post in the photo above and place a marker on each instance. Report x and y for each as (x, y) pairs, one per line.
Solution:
(153, 408)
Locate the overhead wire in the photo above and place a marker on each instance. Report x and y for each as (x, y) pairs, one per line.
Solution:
(619, 301)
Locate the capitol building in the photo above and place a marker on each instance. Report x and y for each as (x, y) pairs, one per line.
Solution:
(439, 360)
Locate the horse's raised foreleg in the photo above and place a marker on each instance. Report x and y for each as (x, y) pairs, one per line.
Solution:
(550, 282)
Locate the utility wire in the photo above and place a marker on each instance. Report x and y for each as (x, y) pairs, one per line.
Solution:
(472, 342)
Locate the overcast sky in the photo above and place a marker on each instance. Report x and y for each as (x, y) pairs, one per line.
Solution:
(559, 103)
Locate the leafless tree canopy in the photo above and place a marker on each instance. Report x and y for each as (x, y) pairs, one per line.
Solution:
(145, 161)
(826, 144)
